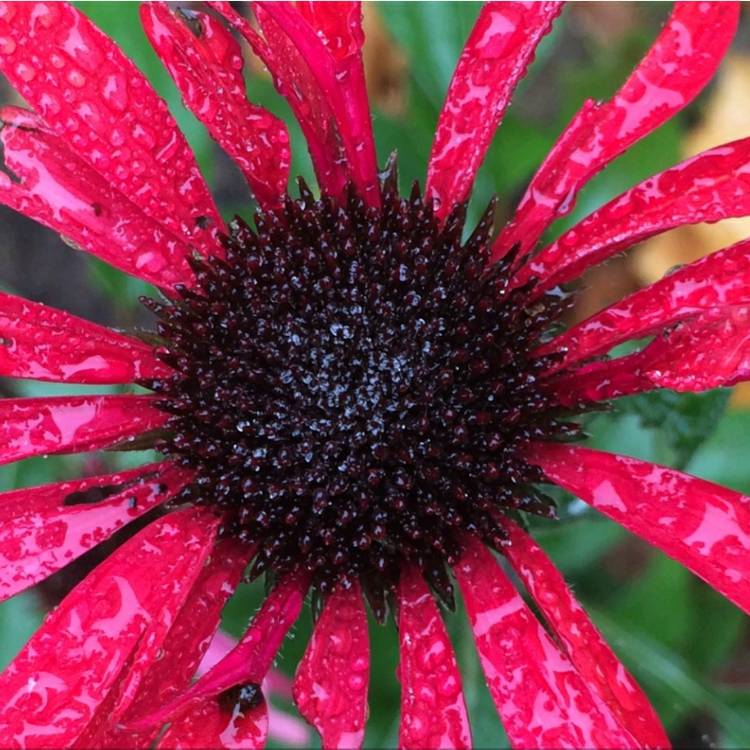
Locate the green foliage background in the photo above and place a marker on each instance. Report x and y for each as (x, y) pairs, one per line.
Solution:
(684, 642)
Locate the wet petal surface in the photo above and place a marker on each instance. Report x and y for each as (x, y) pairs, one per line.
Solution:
(214, 725)
(72, 424)
(184, 646)
(711, 186)
(330, 687)
(43, 343)
(701, 525)
(56, 188)
(673, 72)
(711, 350)
(206, 64)
(719, 280)
(541, 698)
(329, 38)
(497, 53)
(106, 111)
(433, 711)
(76, 663)
(39, 539)
(314, 56)
(248, 662)
(583, 643)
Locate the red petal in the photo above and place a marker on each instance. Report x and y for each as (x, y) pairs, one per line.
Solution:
(702, 525)
(48, 496)
(249, 660)
(211, 725)
(583, 643)
(82, 652)
(330, 687)
(37, 541)
(315, 58)
(55, 187)
(601, 381)
(329, 38)
(673, 72)
(497, 53)
(709, 351)
(99, 103)
(184, 646)
(433, 712)
(539, 695)
(718, 280)
(43, 343)
(206, 64)
(711, 186)
(72, 424)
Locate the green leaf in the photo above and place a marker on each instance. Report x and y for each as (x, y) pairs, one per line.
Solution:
(19, 618)
(723, 457)
(681, 422)
(577, 545)
(432, 35)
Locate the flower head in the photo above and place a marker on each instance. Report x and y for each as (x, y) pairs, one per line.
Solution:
(354, 395)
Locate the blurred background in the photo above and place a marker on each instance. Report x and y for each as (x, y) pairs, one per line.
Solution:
(688, 647)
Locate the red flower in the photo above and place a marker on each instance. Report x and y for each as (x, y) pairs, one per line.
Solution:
(347, 396)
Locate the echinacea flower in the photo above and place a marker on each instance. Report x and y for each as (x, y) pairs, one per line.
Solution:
(350, 397)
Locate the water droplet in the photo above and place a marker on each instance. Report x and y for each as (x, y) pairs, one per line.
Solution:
(117, 137)
(46, 14)
(7, 45)
(25, 72)
(115, 92)
(76, 78)
(49, 104)
(90, 114)
(144, 136)
(356, 682)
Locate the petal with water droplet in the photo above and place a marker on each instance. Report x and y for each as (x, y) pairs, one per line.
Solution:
(338, 27)
(711, 186)
(711, 350)
(583, 643)
(495, 58)
(674, 71)
(324, 88)
(248, 662)
(541, 698)
(150, 162)
(214, 725)
(702, 525)
(206, 64)
(39, 539)
(45, 497)
(183, 648)
(330, 687)
(72, 424)
(600, 381)
(43, 343)
(719, 280)
(433, 711)
(53, 186)
(81, 655)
